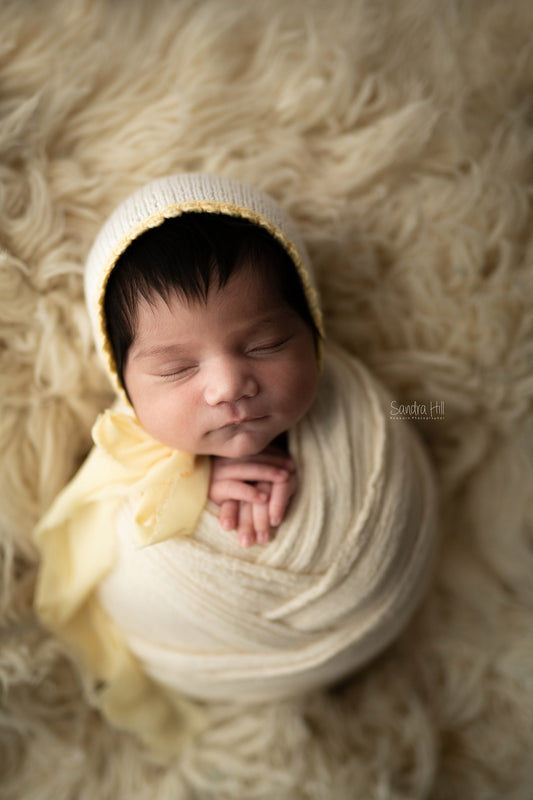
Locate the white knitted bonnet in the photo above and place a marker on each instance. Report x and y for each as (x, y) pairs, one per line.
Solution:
(172, 196)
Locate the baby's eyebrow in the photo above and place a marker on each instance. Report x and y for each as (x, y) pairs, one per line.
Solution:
(157, 351)
(268, 321)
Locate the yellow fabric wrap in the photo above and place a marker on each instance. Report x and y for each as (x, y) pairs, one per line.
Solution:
(167, 490)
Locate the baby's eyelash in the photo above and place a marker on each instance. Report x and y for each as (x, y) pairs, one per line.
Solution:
(270, 346)
(177, 373)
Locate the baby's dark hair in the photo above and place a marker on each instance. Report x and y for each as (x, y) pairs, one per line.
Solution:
(189, 254)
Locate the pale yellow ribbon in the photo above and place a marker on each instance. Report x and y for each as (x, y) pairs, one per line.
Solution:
(166, 490)
(168, 487)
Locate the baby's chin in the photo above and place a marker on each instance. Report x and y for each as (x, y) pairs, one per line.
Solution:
(242, 445)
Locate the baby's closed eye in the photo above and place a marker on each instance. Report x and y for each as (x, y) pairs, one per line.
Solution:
(268, 346)
(177, 372)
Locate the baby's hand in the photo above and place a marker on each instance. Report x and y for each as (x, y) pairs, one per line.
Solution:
(253, 493)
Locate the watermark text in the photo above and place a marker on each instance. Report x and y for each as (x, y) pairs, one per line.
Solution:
(428, 410)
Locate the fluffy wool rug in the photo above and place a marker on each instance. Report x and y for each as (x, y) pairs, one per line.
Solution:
(400, 137)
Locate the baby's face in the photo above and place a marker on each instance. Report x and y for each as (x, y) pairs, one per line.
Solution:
(224, 377)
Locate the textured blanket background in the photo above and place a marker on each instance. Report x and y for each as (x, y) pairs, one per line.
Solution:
(400, 136)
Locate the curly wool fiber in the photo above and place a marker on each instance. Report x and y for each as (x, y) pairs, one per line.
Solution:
(398, 135)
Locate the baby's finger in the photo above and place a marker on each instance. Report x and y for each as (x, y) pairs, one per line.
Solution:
(279, 500)
(245, 528)
(220, 491)
(229, 515)
(261, 522)
(252, 471)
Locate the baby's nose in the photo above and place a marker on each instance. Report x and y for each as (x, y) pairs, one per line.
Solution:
(228, 383)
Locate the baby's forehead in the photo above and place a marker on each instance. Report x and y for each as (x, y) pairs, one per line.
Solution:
(252, 282)
(241, 310)
(257, 277)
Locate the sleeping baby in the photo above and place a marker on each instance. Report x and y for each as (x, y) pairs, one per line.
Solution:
(230, 416)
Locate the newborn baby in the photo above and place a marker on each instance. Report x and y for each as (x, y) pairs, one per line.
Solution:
(230, 415)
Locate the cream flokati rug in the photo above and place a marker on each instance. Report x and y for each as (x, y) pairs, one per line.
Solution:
(400, 137)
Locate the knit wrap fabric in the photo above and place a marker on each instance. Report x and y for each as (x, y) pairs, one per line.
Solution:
(346, 569)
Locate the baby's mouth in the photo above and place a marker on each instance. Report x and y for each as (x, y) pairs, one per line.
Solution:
(243, 421)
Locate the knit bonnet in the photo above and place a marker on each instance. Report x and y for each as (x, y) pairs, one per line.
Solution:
(170, 197)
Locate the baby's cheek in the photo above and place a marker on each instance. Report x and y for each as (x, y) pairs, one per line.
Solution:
(298, 394)
(304, 383)
(164, 419)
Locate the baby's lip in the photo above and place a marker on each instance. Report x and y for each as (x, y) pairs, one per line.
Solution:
(243, 420)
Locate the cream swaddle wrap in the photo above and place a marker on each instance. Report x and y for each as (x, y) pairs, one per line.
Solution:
(347, 566)
(159, 602)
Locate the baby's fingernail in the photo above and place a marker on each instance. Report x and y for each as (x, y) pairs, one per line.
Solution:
(263, 537)
(245, 541)
(275, 521)
(262, 497)
(226, 524)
